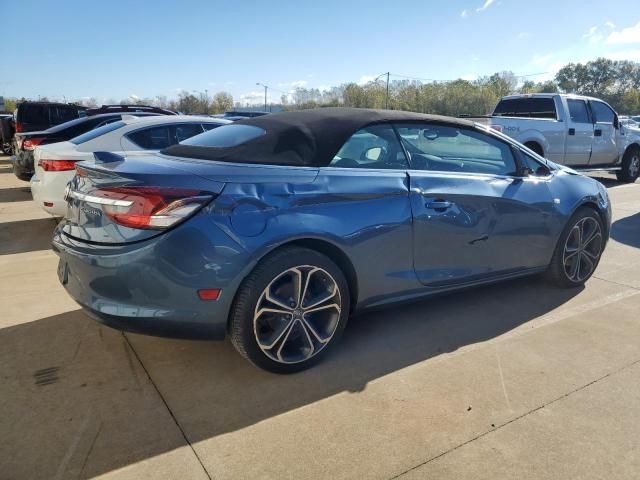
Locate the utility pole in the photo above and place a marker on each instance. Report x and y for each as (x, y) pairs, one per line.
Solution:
(265, 94)
(387, 97)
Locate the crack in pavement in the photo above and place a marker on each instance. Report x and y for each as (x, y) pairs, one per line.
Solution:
(175, 420)
(477, 437)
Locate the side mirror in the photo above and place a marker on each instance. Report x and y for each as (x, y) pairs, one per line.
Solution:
(526, 172)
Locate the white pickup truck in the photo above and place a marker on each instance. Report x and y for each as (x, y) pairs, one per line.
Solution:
(583, 133)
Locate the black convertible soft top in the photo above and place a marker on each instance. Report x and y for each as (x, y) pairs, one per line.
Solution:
(303, 138)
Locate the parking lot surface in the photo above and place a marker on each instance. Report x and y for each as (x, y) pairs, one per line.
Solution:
(517, 380)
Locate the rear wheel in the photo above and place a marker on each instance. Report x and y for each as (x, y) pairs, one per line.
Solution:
(630, 166)
(290, 310)
(578, 251)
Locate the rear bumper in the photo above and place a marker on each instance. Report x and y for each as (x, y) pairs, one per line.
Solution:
(48, 191)
(151, 287)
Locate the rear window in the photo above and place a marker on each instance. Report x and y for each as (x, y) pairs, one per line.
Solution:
(225, 136)
(95, 133)
(47, 114)
(62, 113)
(526, 107)
(33, 114)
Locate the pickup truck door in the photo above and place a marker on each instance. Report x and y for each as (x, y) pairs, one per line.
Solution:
(472, 216)
(579, 138)
(604, 149)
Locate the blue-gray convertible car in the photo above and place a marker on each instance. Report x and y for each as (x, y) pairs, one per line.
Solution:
(273, 230)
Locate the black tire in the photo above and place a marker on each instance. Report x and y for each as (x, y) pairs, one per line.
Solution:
(253, 289)
(630, 165)
(557, 272)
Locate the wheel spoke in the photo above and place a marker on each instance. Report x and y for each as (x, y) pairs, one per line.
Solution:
(309, 328)
(588, 262)
(575, 268)
(323, 307)
(306, 286)
(284, 341)
(570, 252)
(283, 330)
(592, 238)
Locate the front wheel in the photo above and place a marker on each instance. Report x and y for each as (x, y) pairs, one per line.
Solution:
(578, 251)
(630, 166)
(290, 310)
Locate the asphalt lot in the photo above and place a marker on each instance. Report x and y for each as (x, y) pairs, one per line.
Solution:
(517, 380)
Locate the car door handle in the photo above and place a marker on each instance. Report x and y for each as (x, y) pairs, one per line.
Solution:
(572, 131)
(438, 205)
(597, 132)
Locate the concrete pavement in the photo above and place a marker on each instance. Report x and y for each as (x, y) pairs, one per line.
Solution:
(517, 380)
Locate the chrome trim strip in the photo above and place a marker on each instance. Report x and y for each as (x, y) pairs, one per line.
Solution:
(99, 200)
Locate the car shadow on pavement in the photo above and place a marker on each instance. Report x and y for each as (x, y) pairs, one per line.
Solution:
(627, 230)
(69, 378)
(26, 235)
(15, 194)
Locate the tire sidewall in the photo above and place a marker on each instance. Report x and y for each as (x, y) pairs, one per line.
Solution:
(251, 290)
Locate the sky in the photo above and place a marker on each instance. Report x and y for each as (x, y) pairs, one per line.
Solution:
(119, 49)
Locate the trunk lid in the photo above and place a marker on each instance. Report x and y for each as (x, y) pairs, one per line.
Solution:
(105, 188)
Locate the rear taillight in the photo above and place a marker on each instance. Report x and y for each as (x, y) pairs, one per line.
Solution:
(57, 165)
(19, 127)
(147, 207)
(31, 143)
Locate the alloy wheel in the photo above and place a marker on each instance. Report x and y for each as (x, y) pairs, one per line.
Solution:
(297, 314)
(582, 249)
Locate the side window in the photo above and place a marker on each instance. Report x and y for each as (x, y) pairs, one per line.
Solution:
(602, 113)
(155, 138)
(578, 111)
(209, 126)
(187, 130)
(538, 169)
(441, 148)
(374, 147)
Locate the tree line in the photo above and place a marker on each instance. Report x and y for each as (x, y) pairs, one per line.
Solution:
(615, 81)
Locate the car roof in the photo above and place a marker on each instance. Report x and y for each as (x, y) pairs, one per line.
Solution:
(306, 137)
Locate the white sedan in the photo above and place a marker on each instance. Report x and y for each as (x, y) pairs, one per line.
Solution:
(55, 163)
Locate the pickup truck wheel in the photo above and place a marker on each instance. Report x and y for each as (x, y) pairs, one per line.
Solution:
(630, 166)
(535, 147)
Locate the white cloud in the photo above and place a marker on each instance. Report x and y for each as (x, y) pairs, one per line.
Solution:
(632, 55)
(542, 60)
(469, 77)
(609, 24)
(593, 35)
(254, 98)
(133, 96)
(523, 35)
(624, 36)
(464, 13)
(366, 79)
(484, 6)
(294, 84)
